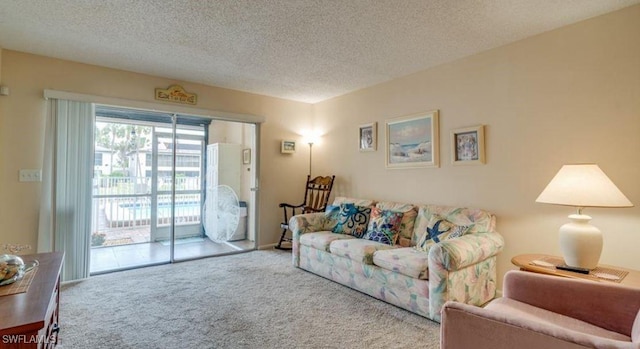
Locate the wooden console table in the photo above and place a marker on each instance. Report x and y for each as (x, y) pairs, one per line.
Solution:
(30, 319)
(527, 262)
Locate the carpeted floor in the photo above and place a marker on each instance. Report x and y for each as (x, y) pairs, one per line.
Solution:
(249, 300)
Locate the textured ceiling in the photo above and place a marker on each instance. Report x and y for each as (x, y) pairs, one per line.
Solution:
(304, 50)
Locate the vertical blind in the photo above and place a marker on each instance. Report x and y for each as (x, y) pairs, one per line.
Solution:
(65, 212)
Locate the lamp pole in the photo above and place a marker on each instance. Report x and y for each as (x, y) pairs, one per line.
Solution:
(310, 153)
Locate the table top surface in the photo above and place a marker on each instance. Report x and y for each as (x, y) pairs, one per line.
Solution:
(524, 261)
(28, 309)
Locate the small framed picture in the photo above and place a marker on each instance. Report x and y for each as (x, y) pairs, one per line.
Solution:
(246, 156)
(368, 137)
(467, 146)
(288, 147)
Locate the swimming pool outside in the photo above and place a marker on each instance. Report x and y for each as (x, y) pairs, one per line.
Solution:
(121, 212)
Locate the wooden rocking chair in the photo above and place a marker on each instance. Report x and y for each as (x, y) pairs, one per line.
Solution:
(316, 197)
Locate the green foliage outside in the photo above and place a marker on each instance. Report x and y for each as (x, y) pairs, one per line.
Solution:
(97, 239)
(123, 140)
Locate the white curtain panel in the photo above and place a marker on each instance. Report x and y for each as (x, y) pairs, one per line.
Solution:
(65, 212)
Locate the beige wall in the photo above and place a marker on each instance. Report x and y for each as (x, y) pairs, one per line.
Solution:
(567, 96)
(22, 127)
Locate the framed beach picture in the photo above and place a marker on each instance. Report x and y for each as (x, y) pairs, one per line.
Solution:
(467, 146)
(368, 137)
(288, 147)
(412, 141)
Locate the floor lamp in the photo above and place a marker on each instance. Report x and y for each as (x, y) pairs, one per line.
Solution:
(310, 156)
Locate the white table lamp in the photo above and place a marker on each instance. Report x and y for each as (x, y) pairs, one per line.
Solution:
(581, 186)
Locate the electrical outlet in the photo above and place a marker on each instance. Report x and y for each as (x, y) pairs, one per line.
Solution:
(30, 176)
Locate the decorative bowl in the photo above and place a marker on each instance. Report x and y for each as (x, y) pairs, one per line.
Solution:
(12, 268)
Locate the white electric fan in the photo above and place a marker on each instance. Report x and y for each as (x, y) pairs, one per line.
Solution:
(222, 213)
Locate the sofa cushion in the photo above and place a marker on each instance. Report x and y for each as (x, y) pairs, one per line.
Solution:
(439, 229)
(408, 219)
(478, 220)
(383, 226)
(538, 315)
(358, 250)
(353, 220)
(407, 261)
(322, 239)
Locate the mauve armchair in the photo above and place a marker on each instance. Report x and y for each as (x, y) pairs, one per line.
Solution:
(544, 311)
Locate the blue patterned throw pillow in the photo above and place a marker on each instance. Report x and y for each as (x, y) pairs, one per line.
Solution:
(352, 220)
(384, 226)
(332, 211)
(439, 229)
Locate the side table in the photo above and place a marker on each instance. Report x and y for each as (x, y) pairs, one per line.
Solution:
(30, 319)
(602, 273)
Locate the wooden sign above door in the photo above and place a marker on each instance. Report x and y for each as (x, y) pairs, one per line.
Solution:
(176, 94)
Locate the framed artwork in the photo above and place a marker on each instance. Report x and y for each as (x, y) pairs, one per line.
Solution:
(467, 146)
(412, 141)
(368, 137)
(246, 156)
(288, 147)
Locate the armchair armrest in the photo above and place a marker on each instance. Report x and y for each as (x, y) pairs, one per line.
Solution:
(459, 253)
(603, 304)
(290, 213)
(484, 328)
(283, 204)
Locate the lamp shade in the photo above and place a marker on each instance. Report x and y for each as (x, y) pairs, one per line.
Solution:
(310, 137)
(583, 185)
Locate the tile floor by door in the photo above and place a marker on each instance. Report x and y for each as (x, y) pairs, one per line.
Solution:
(110, 258)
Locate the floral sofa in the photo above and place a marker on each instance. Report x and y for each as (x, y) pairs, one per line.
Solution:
(405, 265)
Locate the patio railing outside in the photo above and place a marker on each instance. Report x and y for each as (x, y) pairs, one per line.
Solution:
(122, 207)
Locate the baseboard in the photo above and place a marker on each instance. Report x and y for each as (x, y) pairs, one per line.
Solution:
(267, 247)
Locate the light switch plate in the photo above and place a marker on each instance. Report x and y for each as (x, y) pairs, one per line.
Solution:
(30, 175)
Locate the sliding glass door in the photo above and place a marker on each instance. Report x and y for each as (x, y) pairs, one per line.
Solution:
(152, 183)
(179, 181)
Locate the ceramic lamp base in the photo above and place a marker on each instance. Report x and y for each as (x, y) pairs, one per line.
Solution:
(580, 242)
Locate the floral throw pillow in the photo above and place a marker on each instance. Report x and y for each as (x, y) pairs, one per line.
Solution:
(439, 229)
(384, 226)
(352, 220)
